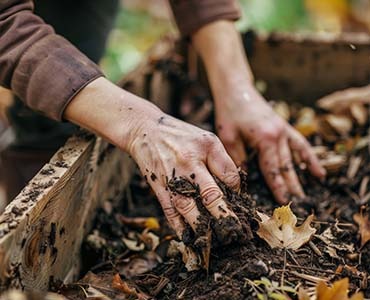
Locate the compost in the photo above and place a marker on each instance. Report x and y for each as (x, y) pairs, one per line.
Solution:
(131, 253)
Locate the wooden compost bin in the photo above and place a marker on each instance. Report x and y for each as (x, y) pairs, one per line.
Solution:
(42, 229)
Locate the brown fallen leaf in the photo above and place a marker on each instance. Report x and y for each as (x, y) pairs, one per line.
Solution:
(122, 286)
(353, 166)
(338, 291)
(303, 294)
(341, 124)
(280, 231)
(150, 223)
(364, 226)
(306, 123)
(332, 242)
(149, 239)
(133, 245)
(138, 264)
(359, 113)
(333, 162)
(189, 257)
(282, 109)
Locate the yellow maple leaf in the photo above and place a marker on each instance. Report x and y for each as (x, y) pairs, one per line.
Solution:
(280, 231)
(364, 227)
(338, 291)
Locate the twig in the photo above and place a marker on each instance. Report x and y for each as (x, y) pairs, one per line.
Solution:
(314, 248)
(293, 258)
(239, 269)
(310, 268)
(308, 277)
(284, 268)
(329, 223)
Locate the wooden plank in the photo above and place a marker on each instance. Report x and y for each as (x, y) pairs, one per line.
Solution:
(42, 229)
(305, 67)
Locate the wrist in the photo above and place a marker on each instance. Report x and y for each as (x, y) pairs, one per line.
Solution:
(110, 112)
(235, 93)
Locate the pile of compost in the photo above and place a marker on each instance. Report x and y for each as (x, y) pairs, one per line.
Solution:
(131, 253)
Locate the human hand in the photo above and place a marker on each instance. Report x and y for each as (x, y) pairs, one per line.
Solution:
(245, 117)
(162, 146)
(166, 148)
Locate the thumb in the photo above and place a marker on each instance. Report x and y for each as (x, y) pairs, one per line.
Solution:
(234, 145)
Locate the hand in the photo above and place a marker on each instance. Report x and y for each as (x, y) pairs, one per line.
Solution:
(245, 117)
(161, 145)
(165, 147)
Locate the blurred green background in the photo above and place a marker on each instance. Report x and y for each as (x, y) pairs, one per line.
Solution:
(140, 23)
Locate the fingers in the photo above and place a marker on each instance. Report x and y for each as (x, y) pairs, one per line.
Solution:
(287, 169)
(212, 196)
(270, 167)
(172, 214)
(187, 207)
(299, 144)
(234, 145)
(236, 150)
(222, 166)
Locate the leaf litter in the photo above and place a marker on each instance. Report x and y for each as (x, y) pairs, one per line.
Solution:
(131, 252)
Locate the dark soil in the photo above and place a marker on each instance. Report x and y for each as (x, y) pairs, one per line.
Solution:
(236, 261)
(238, 257)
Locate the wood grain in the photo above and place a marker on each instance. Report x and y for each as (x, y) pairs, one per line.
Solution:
(42, 229)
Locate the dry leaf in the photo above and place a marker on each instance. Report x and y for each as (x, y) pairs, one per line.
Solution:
(341, 124)
(189, 257)
(150, 239)
(282, 109)
(338, 291)
(303, 294)
(138, 264)
(331, 241)
(119, 284)
(333, 162)
(150, 223)
(359, 113)
(354, 166)
(306, 122)
(364, 227)
(280, 231)
(332, 252)
(133, 245)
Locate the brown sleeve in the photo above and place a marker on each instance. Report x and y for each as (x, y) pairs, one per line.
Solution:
(191, 15)
(41, 67)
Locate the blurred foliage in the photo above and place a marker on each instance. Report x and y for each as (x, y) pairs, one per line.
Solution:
(140, 23)
(135, 32)
(272, 15)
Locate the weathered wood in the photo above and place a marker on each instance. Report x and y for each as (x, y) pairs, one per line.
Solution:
(149, 82)
(305, 67)
(42, 229)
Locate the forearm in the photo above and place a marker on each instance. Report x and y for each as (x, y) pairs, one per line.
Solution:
(111, 112)
(221, 49)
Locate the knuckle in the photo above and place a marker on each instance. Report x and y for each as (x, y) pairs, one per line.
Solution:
(229, 139)
(209, 139)
(171, 212)
(273, 131)
(211, 194)
(232, 179)
(184, 156)
(184, 204)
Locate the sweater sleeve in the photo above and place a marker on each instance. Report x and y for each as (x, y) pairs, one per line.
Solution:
(191, 15)
(40, 67)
